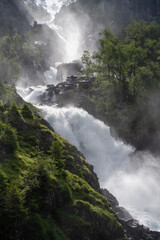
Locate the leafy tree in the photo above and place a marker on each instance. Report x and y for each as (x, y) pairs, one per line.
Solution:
(88, 65)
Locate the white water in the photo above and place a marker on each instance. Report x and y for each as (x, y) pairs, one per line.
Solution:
(132, 178)
(51, 76)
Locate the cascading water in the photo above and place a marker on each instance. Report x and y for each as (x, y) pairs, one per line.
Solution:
(132, 178)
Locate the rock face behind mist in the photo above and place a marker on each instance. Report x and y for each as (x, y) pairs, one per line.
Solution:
(93, 16)
(12, 15)
(66, 69)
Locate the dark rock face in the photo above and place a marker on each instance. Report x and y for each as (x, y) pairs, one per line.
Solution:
(121, 212)
(12, 15)
(66, 69)
(133, 229)
(92, 16)
(55, 45)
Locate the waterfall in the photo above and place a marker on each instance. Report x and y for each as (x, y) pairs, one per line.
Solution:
(132, 178)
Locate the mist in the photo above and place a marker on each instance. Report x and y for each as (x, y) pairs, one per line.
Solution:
(132, 177)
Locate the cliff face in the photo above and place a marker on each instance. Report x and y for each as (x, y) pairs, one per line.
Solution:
(12, 15)
(93, 15)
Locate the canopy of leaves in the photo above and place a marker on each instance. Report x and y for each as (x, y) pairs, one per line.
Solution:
(129, 67)
(126, 89)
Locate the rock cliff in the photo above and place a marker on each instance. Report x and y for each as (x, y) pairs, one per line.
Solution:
(93, 16)
(12, 15)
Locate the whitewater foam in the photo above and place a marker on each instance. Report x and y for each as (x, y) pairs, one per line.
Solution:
(133, 179)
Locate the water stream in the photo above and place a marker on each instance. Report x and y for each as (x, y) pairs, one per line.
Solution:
(132, 178)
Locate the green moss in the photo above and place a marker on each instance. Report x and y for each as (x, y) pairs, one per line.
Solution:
(39, 190)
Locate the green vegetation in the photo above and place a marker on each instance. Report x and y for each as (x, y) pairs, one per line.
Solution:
(45, 185)
(126, 88)
(8, 137)
(26, 112)
(18, 52)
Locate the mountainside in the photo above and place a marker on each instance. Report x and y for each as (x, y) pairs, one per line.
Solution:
(47, 189)
(94, 15)
(12, 15)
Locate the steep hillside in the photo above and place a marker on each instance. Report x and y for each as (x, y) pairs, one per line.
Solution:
(47, 189)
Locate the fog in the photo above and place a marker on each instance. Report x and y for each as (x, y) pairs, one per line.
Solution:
(76, 36)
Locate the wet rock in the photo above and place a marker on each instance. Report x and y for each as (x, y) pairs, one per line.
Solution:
(134, 230)
(113, 201)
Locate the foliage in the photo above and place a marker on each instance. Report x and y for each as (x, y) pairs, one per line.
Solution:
(88, 64)
(128, 67)
(1, 107)
(26, 112)
(16, 52)
(57, 154)
(8, 137)
(35, 186)
(127, 77)
(13, 112)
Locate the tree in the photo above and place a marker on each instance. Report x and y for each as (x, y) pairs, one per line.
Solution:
(26, 112)
(14, 112)
(57, 154)
(8, 137)
(88, 65)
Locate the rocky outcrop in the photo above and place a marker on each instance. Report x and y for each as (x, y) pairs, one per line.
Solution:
(134, 230)
(61, 92)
